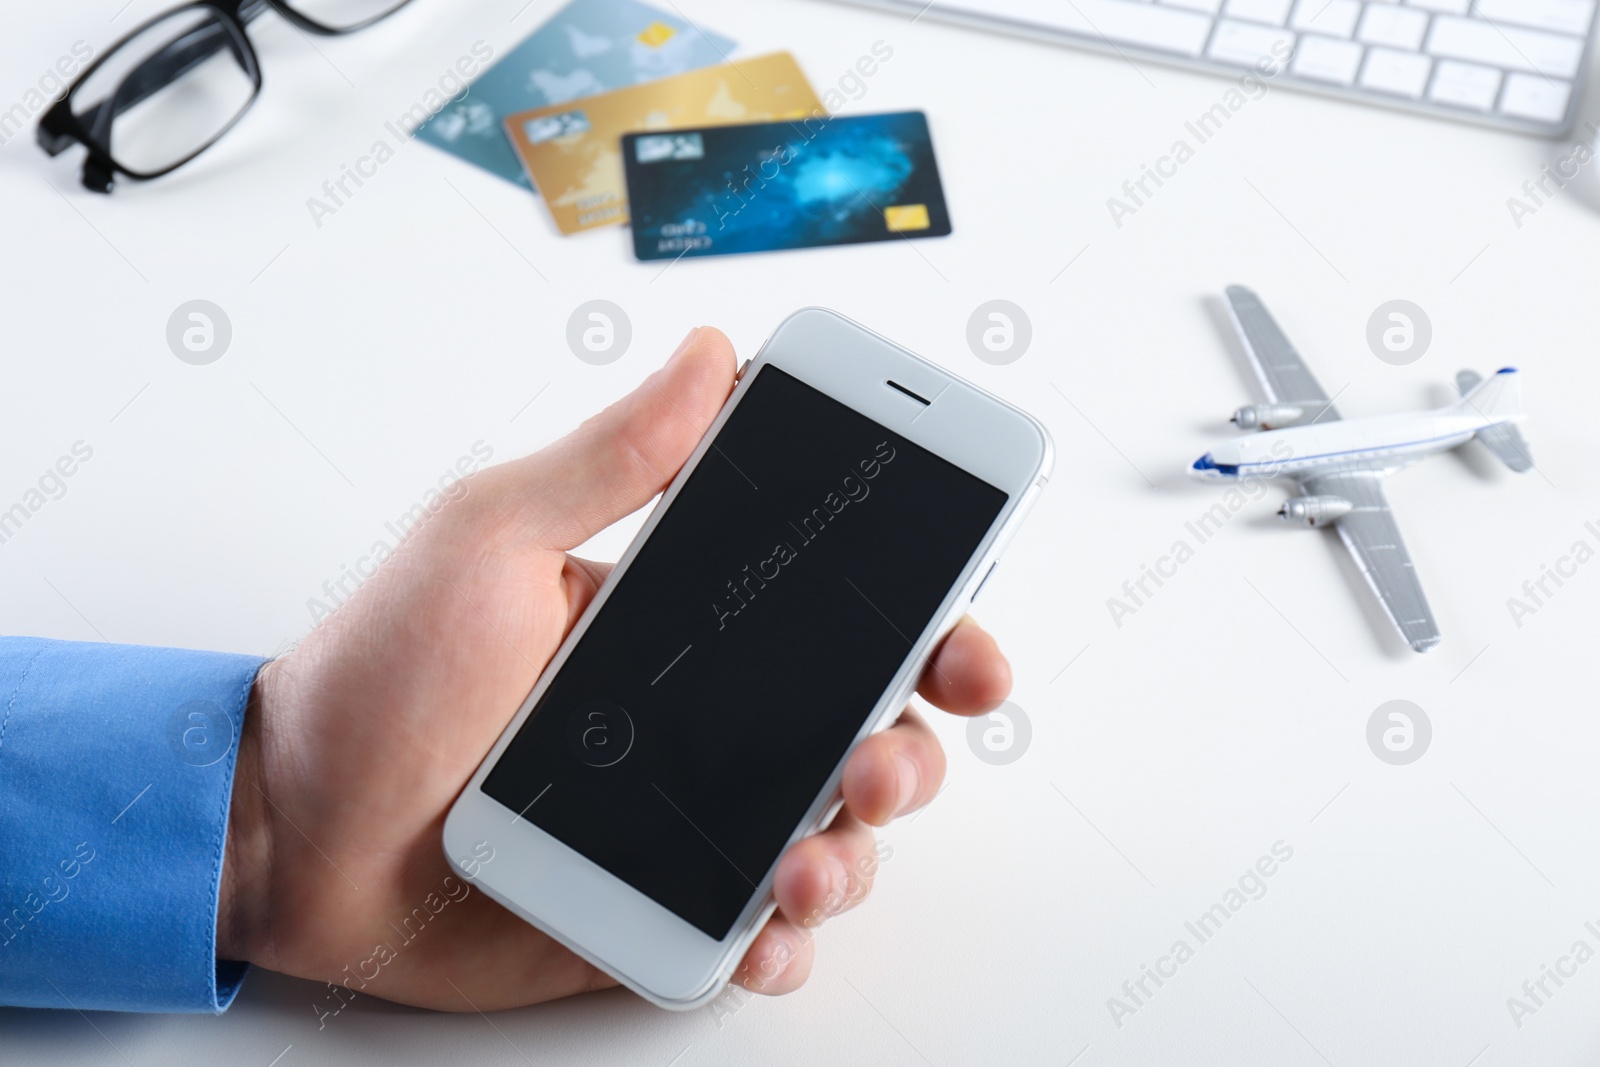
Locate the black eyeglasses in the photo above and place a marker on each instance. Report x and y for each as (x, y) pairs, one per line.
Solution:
(167, 91)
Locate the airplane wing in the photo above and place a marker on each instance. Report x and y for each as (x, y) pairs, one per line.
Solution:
(1284, 376)
(1370, 533)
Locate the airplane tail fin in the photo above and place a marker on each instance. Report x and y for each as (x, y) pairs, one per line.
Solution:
(1498, 398)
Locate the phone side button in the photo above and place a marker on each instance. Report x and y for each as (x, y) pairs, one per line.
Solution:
(984, 582)
(738, 375)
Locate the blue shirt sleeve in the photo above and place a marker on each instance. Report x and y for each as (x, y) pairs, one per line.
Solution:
(116, 772)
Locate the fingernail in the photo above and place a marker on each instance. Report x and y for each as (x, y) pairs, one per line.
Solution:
(908, 780)
(683, 346)
(770, 968)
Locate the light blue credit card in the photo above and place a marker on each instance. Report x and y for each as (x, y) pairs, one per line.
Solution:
(588, 47)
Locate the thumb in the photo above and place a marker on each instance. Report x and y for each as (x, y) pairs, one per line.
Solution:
(614, 463)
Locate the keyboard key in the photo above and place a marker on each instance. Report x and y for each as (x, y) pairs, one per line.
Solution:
(1272, 12)
(1464, 84)
(1505, 46)
(1504, 62)
(1528, 96)
(1561, 16)
(1163, 28)
(1336, 18)
(1327, 59)
(1247, 45)
(1402, 73)
(1397, 27)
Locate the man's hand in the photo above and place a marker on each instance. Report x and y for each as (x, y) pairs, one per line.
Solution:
(358, 742)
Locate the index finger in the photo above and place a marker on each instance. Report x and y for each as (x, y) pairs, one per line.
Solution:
(968, 673)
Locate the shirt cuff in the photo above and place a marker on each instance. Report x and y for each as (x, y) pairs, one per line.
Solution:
(116, 773)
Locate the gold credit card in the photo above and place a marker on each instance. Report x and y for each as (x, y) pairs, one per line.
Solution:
(573, 151)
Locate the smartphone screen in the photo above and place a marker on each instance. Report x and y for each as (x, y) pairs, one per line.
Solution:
(704, 708)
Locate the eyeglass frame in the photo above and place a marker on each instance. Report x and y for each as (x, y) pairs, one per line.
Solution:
(61, 127)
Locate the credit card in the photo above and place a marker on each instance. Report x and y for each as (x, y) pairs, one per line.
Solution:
(778, 185)
(589, 46)
(573, 153)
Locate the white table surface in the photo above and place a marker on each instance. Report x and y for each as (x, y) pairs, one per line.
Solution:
(1228, 714)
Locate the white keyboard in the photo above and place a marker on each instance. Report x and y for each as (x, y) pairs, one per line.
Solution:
(1517, 64)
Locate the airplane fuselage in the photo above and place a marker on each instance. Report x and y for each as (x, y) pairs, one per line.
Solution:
(1380, 442)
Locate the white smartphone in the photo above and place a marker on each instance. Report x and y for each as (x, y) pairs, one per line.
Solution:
(778, 606)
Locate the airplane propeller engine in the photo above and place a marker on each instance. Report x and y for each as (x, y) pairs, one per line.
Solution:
(1267, 416)
(1315, 511)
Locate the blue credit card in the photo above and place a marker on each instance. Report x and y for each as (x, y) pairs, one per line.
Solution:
(588, 47)
(777, 185)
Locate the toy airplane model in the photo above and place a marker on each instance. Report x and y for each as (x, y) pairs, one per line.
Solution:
(1339, 464)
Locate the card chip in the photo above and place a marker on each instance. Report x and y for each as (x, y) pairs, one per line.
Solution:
(657, 34)
(904, 217)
